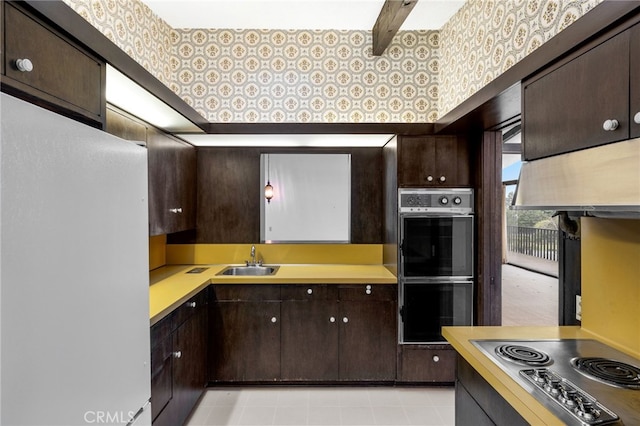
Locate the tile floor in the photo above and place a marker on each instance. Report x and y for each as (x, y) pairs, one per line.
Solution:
(325, 406)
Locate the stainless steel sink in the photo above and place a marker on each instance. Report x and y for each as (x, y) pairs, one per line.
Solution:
(249, 270)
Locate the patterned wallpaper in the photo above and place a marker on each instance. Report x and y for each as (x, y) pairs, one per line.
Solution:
(330, 76)
(134, 28)
(308, 76)
(487, 37)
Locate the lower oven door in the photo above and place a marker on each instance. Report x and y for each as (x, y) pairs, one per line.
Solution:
(426, 307)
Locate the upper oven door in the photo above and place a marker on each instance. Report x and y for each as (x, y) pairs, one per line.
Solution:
(436, 246)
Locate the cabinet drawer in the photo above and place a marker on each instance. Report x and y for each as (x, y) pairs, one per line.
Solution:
(309, 292)
(368, 292)
(189, 308)
(433, 363)
(246, 292)
(62, 73)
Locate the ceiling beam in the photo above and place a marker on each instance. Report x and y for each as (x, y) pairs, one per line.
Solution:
(391, 17)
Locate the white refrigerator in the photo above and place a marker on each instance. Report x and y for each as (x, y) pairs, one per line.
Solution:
(74, 279)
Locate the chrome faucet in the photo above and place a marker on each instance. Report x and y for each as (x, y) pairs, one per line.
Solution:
(253, 261)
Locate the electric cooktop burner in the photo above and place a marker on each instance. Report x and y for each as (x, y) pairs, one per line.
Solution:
(523, 355)
(609, 371)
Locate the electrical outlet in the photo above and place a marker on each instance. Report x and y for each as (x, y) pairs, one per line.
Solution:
(578, 307)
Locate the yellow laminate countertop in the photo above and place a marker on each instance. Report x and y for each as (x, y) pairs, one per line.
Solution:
(172, 285)
(528, 407)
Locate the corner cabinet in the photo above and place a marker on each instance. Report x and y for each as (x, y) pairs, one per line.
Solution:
(179, 361)
(433, 161)
(304, 333)
(172, 173)
(43, 66)
(172, 184)
(585, 101)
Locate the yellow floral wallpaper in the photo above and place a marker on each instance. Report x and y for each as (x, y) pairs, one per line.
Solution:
(308, 76)
(267, 76)
(487, 37)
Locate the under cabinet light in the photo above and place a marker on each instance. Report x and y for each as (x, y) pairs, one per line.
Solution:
(132, 98)
(288, 140)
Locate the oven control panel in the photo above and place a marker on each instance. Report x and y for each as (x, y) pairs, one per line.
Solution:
(581, 406)
(436, 200)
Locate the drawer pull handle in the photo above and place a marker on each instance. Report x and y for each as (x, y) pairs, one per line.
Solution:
(177, 354)
(332, 319)
(274, 320)
(429, 178)
(191, 304)
(368, 291)
(178, 210)
(436, 358)
(309, 291)
(345, 320)
(442, 178)
(610, 125)
(636, 118)
(24, 65)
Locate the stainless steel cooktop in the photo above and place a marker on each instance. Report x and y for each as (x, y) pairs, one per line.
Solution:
(581, 381)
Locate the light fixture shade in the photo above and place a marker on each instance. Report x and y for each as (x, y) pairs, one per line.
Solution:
(268, 191)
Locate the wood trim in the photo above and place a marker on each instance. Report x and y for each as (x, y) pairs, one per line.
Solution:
(489, 229)
(323, 128)
(392, 15)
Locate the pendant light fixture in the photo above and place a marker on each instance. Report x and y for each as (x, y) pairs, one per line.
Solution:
(268, 189)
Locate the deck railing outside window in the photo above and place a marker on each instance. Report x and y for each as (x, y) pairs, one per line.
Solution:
(538, 242)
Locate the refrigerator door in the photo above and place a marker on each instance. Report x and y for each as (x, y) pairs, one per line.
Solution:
(74, 271)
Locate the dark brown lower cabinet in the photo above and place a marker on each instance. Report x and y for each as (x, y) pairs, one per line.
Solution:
(190, 369)
(477, 403)
(179, 361)
(311, 333)
(368, 333)
(246, 341)
(426, 364)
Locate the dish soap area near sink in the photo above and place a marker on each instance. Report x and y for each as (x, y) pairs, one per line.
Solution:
(249, 270)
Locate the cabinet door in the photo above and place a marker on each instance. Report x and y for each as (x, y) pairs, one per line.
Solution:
(62, 74)
(309, 340)
(162, 371)
(368, 340)
(245, 341)
(564, 110)
(438, 161)
(172, 166)
(635, 82)
(190, 352)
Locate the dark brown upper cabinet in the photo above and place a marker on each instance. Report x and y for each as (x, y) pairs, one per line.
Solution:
(573, 105)
(172, 184)
(433, 161)
(43, 66)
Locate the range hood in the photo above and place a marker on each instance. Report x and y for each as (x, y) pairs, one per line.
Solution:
(604, 180)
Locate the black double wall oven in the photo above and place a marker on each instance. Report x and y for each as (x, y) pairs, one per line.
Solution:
(436, 262)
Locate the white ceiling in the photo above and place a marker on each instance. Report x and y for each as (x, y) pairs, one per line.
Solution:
(296, 14)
